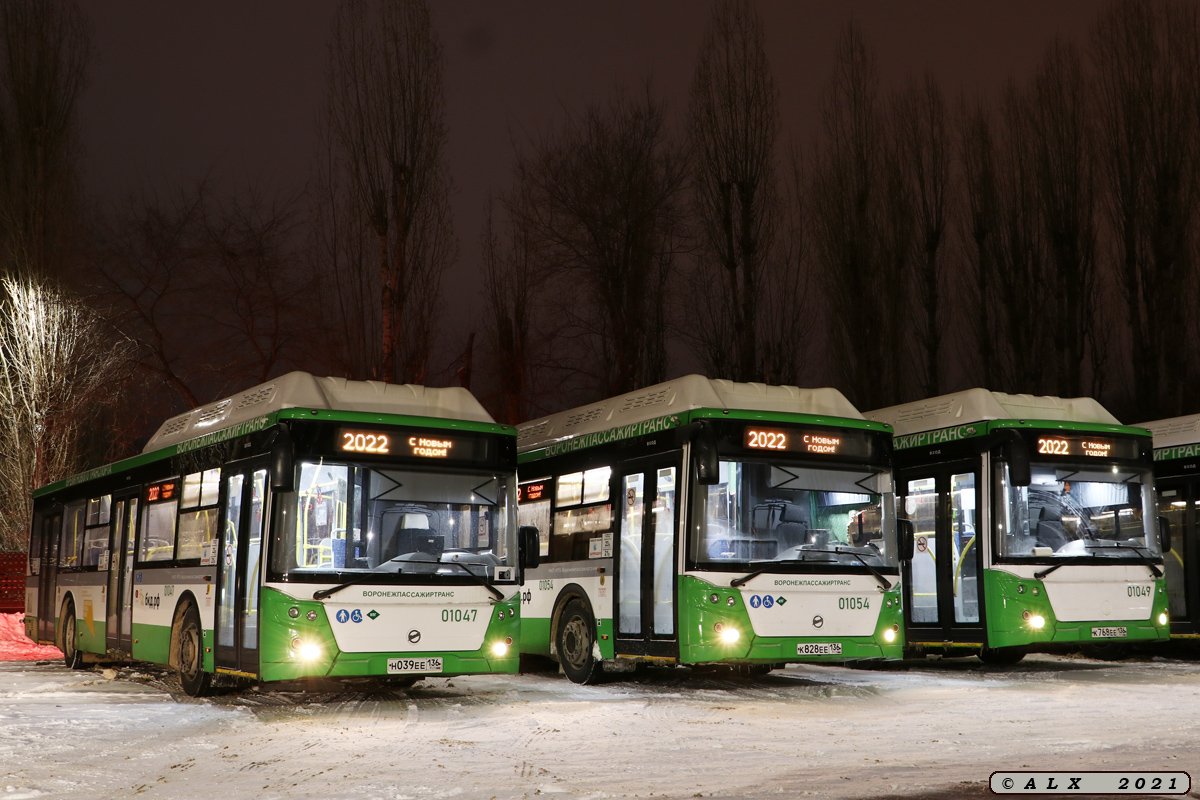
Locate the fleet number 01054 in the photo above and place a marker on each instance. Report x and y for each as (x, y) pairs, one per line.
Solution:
(853, 603)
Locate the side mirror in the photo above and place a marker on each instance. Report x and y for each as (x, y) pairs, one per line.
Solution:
(1164, 534)
(906, 533)
(704, 455)
(1016, 453)
(529, 547)
(283, 468)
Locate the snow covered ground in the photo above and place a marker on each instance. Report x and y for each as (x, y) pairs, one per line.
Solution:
(804, 731)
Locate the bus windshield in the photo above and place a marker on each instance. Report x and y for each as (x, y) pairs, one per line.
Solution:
(348, 518)
(1078, 511)
(777, 512)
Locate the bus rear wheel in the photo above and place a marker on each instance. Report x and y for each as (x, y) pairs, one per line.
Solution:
(576, 640)
(72, 656)
(190, 657)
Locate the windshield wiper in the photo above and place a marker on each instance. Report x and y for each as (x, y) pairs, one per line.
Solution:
(1139, 548)
(1048, 570)
(736, 582)
(480, 580)
(323, 593)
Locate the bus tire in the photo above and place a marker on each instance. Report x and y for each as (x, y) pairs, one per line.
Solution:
(1112, 651)
(72, 656)
(190, 655)
(575, 640)
(1001, 657)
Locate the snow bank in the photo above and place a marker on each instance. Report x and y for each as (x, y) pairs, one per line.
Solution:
(16, 646)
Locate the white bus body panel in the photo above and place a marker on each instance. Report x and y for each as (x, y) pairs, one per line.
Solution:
(382, 619)
(1094, 592)
(807, 604)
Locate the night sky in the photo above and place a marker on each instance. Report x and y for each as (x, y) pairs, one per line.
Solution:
(230, 90)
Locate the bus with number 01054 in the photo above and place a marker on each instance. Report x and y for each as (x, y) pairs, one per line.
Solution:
(1177, 480)
(304, 528)
(704, 522)
(1035, 524)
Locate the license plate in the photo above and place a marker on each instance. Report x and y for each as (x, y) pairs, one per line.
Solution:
(819, 649)
(1109, 633)
(401, 666)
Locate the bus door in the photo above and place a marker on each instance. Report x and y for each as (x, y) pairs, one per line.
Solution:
(1177, 499)
(644, 606)
(243, 507)
(121, 544)
(51, 531)
(942, 583)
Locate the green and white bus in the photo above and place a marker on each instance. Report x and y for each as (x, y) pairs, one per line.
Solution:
(306, 527)
(1035, 526)
(702, 521)
(1177, 479)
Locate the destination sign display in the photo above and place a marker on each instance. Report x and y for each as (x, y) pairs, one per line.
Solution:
(412, 444)
(532, 492)
(807, 440)
(1085, 447)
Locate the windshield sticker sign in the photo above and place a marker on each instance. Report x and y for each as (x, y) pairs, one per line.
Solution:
(940, 436)
(1172, 453)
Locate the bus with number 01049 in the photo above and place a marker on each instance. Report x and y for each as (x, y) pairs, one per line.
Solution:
(704, 522)
(1035, 524)
(304, 528)
(1177, 480)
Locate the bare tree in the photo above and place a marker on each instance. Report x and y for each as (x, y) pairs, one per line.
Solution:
(859, 233)
(981, 235)
(604, 211)
(1147, 61)
(386, 116)
(44, 49)
(60, 364)
(923, 155)
(733, 125)
(511, 275)
(1061, 123)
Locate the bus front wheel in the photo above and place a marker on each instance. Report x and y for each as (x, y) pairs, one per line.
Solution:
(72, 656)
(190, 658)
(1001, 656)
(576, 642)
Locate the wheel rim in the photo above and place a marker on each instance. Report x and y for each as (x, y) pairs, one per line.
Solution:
(69, 635)
(574, 640)
(189, 651)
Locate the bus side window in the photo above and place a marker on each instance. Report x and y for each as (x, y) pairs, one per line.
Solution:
(72, 534)
(95, 536)
(158, 521)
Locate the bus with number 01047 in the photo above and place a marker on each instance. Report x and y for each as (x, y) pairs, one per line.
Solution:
(1177, 480)
(304, 528)
(1035, 525)
(703, 522)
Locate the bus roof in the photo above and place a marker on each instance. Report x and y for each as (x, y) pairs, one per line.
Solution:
(302, 390)
(1175, 431)
(978, 405)
(679, 396)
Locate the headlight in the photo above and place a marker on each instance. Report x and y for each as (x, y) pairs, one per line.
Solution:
(1162, 618)
(889, 636)
(310, 652)
(499, 649)
(730, 635)
(1037, 621)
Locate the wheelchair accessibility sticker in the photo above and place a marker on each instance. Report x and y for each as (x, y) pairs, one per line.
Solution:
(766, 601)
(352, 616)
